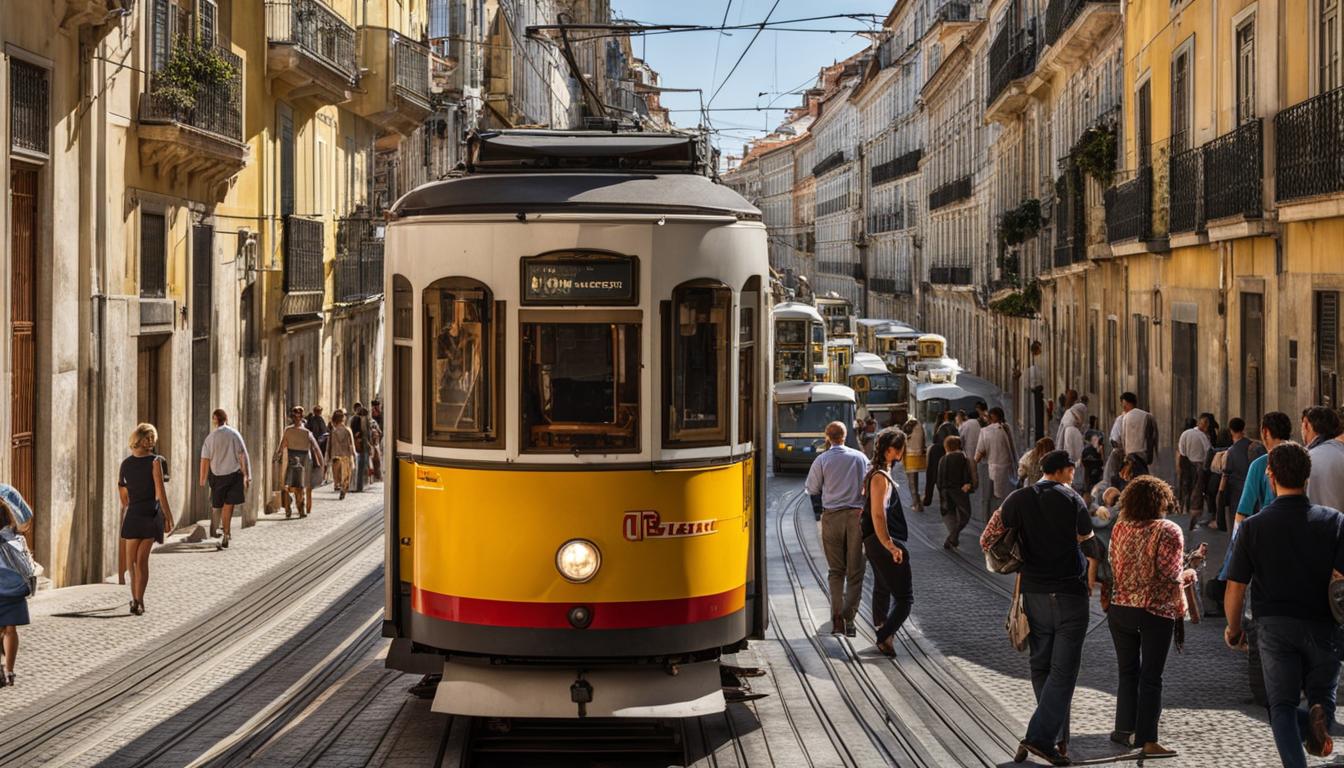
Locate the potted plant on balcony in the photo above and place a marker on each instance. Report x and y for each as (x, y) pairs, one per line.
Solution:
(1020, 223)
(1023, 303)
(192, 68)
(1094, 154)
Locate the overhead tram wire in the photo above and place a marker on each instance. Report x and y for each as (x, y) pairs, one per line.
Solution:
(718, 41)
(745, 51)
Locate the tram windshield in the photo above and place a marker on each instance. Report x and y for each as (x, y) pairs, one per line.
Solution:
(791, 332)
(811, 418)
(884, 388)
(580, 386)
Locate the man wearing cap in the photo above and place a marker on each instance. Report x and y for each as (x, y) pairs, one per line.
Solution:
(1051, 520)
(837, 476)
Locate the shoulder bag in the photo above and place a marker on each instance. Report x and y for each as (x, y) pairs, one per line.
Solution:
(1003, 548)
(17, 577)
(1019, 631)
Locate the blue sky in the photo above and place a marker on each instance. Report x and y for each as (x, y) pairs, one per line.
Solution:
(779, 61)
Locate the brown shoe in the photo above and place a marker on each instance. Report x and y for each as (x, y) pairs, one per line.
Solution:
(1319, 742)
(1155, 750)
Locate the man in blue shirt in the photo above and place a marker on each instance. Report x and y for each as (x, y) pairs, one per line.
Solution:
(1291, 551)
(1275, 428)
(837, 476)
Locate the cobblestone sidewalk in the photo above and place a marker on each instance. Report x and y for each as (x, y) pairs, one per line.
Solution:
(79, 633)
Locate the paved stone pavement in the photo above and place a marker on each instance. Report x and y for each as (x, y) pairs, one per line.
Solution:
(81, 633)
(1207, 716)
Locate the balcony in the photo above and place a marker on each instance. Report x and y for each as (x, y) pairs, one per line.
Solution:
(1073, 28)
(953, 12)
(832, 161)
(359, 261)
(887, 221)
(311, 49)
(891, 285)
(1070, 221)
(950, 275)
(1310, 148)
(93, 13)
(1234, 173)
(834, 205)
(897, 167)
(394, 89)
(1129, 208)
(304, 279)
(950, 193)
(196, 137)
(1185, 192)
(1012, 57)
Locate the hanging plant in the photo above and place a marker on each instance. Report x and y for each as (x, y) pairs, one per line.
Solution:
(1094, 153)
(192, 67)
(1023, 303)
(1020, 223)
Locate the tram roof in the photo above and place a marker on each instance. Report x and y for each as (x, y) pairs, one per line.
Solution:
(868, 366)
(812, 392)
(796, 309)
(592, 192)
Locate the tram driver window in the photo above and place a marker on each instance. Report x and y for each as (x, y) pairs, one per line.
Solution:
(462, 346)
(580, 388)
(697, 403)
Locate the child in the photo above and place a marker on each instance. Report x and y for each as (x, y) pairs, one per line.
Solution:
(956, 481)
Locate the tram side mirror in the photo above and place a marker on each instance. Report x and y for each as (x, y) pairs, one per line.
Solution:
(860, 384)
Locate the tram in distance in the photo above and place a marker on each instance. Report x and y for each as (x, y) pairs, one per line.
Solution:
(577, 367)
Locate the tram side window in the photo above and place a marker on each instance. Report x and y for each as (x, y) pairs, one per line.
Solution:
(696, 392)
(746, 363)
(462, 345)
(791, 351)
(402, 349)
(580, 388)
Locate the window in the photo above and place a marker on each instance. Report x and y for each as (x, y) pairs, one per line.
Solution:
(462, 345)
(209, 22)
(580, 387)
(1246, 72)
(696, 378)
(1143, 133)
(29, 100)
(402, 349)
(1180, 102)
(1328, 42)
(747, 362)
(153, 255)
(1327, 348)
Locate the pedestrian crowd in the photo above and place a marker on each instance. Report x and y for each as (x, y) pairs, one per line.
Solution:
(1079, 515)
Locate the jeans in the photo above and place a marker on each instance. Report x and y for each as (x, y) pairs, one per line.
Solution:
(1297, 655)
(842, 540)
(1142, 641)
(897, 581)
(1058, 627)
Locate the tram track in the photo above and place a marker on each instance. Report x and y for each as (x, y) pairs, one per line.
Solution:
(67, 728)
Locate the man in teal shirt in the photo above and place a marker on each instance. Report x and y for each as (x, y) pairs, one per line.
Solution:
(1275, 428)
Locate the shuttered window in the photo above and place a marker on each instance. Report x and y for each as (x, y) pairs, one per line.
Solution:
(1246, 72)
(153, 256)
(209, 22)
(29, 102)
(286, 120)
(1180, 102)
(1328, 46)
(1327, 348)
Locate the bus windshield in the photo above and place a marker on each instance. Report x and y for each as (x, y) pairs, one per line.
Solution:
(884, 388)
(811, 418)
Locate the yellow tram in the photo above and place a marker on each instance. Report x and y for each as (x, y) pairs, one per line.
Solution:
(577, 365)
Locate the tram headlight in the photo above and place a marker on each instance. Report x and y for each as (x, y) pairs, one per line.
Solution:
(578, 560)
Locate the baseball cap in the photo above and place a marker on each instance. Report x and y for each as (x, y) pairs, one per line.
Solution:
(1054, 461)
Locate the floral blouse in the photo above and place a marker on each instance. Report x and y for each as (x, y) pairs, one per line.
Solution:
(1147, 558)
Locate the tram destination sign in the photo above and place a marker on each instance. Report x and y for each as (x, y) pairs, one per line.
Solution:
(601, 280)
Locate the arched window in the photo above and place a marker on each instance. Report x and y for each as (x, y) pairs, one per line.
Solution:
(695, 360)
(463, 348)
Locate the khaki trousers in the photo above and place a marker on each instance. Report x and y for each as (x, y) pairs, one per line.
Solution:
(340, 472)
(842, 540)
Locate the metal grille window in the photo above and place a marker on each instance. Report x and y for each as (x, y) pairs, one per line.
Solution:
(209, 21)
(1180, 102)
(153, 255)
(1246, 72)
(1143, 118)
(1329, 44)
(1327, 348)
(29, 127)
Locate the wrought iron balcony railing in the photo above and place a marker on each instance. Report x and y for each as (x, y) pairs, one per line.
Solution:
(1060, 15)
(950, 193)
(412, 68)
(1129, 208)
(218, 108)
(1234, 173)
(950, 275)
(359, 260)
(304, 239)
(831, 162)
(1185, 190)
(887, 221)
(316, 29)
(953, 11)
(897, 167)
(834, 205)
(1309, 148)
(1011, 55)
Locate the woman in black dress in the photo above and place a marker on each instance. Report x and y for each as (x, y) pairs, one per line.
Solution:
(145, 515)
(884, 535)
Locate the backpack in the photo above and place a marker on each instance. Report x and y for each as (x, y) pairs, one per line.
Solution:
(1003, 545)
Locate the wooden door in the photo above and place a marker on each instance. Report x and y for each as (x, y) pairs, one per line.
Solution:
(23, 317)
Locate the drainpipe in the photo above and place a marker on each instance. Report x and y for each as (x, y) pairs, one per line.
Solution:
(1224, 288)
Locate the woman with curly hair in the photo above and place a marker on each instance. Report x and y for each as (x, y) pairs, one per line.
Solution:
(1147, 557)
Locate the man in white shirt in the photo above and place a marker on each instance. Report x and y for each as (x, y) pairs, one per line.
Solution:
(1320, 428)
(969, 430)
(227, 468)
(1135, 430)
(996, 449)
(1192, 450)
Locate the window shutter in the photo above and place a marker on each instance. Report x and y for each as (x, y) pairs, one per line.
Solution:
(158, 55)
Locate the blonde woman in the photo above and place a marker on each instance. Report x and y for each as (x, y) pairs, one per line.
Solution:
(146, 516)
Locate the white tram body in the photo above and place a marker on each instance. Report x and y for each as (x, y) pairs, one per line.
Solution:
(578, 359)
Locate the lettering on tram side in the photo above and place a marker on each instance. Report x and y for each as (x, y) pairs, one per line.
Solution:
(602, 279)
(647, 524)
